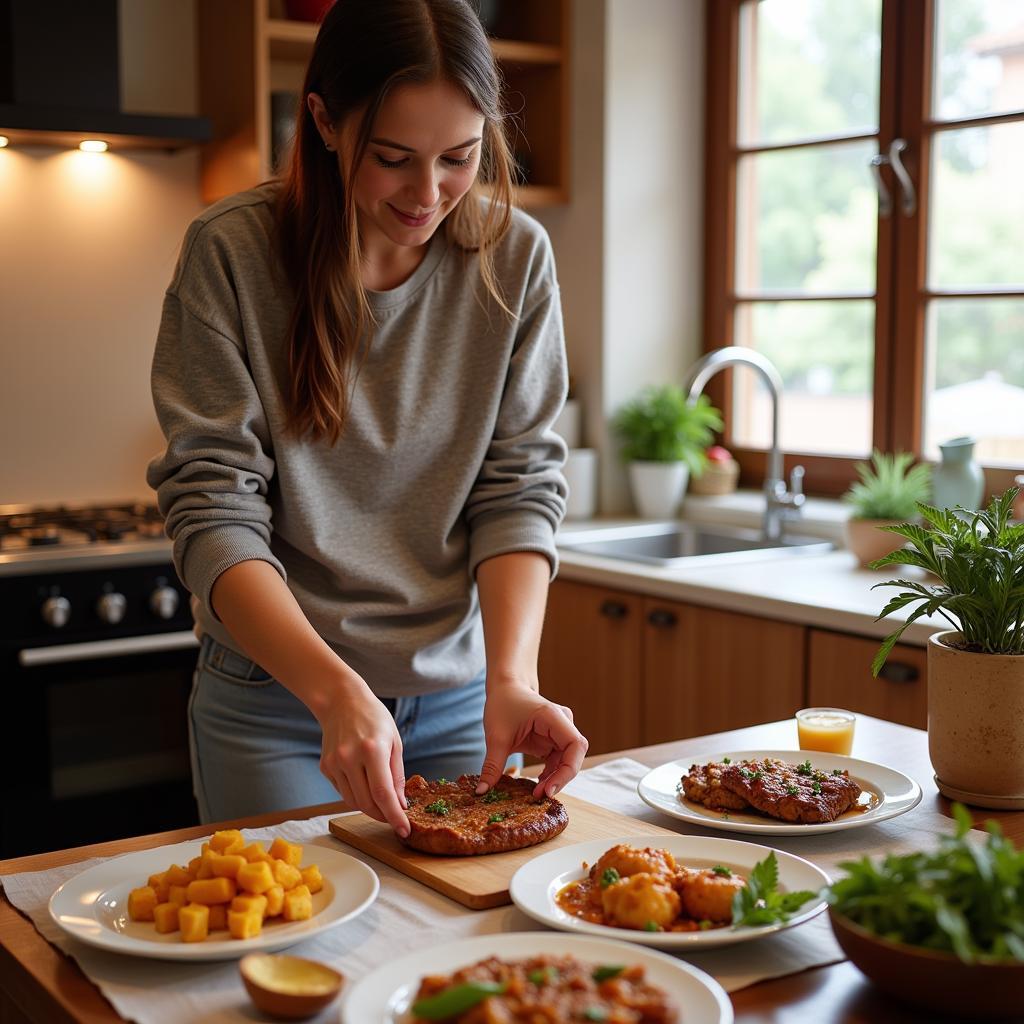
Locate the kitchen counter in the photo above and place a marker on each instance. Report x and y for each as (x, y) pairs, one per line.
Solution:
(828, 590)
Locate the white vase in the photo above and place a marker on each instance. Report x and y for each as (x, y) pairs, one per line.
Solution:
(658, 488)
(580, 473)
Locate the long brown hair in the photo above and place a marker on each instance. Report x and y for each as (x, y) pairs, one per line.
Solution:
(365, 48)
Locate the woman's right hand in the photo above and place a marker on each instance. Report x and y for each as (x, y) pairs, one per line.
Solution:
(362, 755)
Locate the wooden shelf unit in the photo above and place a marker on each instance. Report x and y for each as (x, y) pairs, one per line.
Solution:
(248, 50)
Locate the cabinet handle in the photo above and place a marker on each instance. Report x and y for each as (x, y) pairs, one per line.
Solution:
(899, 672)
(662, 617)
(614, 610)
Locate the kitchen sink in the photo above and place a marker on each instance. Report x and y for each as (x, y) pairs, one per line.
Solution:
(678, 544)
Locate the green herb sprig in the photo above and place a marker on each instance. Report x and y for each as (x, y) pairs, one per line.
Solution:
(439, 807)
(965, 897)
(979, 559)
(760, 902)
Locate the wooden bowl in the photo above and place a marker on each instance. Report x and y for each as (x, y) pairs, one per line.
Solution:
(932, 979)
(289, 987)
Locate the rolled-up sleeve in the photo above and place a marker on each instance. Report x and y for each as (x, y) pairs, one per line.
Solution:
(518, 499)
(212, 480)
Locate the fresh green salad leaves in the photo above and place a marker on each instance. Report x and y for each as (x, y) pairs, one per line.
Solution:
(760, 902)
(965, 897)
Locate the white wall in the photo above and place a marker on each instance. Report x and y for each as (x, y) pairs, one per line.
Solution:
(89, 243)
(629, 247)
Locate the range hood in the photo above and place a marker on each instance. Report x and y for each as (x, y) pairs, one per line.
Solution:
(60, 80)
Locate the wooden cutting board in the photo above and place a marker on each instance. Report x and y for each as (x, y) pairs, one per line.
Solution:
(482, 882)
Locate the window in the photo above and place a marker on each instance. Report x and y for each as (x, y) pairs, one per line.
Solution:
(865, 227)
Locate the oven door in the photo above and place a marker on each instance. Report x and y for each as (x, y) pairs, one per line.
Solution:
(97, 742)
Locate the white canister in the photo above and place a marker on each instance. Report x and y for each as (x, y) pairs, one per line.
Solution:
(567, 425)
(581, 475)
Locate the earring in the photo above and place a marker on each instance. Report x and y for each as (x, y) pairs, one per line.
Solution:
(328, 147)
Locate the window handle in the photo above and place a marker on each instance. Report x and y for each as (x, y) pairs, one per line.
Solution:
(908, 204)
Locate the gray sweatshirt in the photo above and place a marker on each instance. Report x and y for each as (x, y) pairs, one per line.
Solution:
(448, 456)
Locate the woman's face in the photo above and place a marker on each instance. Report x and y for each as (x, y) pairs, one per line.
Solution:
(422, 158)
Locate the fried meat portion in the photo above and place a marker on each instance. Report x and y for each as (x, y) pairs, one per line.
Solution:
(795, 793)
(703, 785)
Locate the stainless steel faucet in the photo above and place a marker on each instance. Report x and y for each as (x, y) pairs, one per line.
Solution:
(780, 502)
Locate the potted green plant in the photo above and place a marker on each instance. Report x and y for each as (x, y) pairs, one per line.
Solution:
(976, 669)
(887, 494)
(664, 438)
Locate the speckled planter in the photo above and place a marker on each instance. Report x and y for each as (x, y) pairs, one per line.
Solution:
(976, 724)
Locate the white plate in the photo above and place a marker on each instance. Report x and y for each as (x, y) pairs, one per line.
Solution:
(890, 793)
(93, 906)
(384, 996)
(535, 885)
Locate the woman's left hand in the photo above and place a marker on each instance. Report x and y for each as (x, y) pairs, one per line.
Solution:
(517, 719)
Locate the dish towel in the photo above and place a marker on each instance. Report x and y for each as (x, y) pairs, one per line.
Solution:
(407, 914)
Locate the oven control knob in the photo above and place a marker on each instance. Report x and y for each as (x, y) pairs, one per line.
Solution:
(111, 608)
(164, 602)
(56, 611)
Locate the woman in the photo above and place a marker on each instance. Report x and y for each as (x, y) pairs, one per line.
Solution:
(357, 372)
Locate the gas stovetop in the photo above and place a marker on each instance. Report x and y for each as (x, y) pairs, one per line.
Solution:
(39, 538)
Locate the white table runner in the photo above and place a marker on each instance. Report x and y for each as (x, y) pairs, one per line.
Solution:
(407, 914)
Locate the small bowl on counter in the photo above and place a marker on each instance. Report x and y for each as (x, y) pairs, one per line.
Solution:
(933, 979)
(289, 987)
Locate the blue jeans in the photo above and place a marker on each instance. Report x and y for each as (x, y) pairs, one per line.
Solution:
(256, 747)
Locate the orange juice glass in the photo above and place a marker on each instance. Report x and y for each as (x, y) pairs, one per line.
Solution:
(827, 729)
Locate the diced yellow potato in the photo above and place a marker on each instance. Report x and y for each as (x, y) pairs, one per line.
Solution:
(275, 900)
(286, 876)
(221, 842)
(178, 894)
(218, 917)
(206, 864)
(166, 917)
(312, 879)
(290, 853)
(253, 904)
(244, 924)
(194, 920)
(256, 877)
(298, 904)
(193, 867)
(226, 865)
(177, 875)
(160, 886)
(254, 852)
(141, 903)
(211, 890)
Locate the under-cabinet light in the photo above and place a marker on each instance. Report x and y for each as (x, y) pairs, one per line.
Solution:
(92, 146)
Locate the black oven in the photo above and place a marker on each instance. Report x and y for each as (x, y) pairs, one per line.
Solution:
(97, 663)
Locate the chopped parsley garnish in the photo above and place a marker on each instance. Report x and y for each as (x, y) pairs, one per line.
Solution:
(495, 818)
(597, 1013)
(493, 796)
(607, 971)
(437, 807)
(816, 788)
(543, 975)
(652, 926)
(805, 768)
(792, 790)
(609, 877)
(721, 869)
(726, 760)
(748, 774)
(837, 771)
(705, 925)
(442, 781)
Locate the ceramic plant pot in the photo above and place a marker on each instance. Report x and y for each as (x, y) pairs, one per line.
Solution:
(658, 488)
(976, 724)
(868, 542)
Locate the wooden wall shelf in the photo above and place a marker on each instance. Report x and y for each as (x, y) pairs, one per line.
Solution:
(249, 52)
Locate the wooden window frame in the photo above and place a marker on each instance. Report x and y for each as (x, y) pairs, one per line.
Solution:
(901, 294)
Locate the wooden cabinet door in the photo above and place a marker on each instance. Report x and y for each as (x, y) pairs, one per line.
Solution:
(590, 661)
(707, 670)
(839, 675)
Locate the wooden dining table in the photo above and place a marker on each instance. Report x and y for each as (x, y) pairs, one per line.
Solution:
(39, 984)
